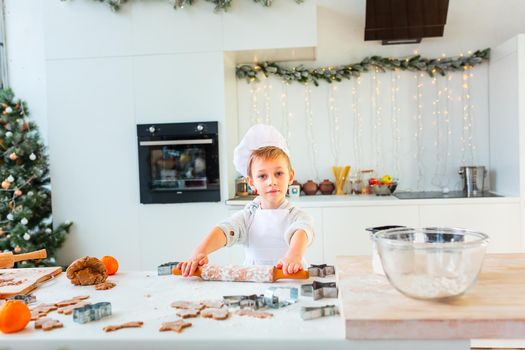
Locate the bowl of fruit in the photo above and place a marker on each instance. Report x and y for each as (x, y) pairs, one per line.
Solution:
(384, 186)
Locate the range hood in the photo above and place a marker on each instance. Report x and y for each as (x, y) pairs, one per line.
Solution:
(404, 21)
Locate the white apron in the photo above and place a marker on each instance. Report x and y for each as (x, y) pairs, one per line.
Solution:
(266, 244)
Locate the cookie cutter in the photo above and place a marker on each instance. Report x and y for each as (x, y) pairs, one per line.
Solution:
(92, 312)
(271, 298)
(27, 299)
(322, 270)
(166, 268)
(319, 290)
(253, 301)
(313, 312)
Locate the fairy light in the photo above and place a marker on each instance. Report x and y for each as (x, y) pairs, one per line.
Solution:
(287, 116)
(334, 121)
(267, 91)
(419, 128)
(358, 122)
(466, 136)
(395, 111)
(378, 122)
(310, 129)
(255, 114)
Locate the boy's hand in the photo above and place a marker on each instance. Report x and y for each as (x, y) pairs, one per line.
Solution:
(189, 267)
(290, 264)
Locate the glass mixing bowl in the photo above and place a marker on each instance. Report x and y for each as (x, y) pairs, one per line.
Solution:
(432, 262)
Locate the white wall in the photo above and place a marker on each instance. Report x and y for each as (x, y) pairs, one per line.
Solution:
(89, 75)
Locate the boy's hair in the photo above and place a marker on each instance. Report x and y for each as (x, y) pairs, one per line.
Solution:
(265, 153)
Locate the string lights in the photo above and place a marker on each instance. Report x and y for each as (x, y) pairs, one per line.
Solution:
(395, 112)
(419, 129)
(312, 145)
(357, 123)
(334, 124)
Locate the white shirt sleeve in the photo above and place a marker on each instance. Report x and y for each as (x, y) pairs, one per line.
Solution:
(300, 220)
(235, 227)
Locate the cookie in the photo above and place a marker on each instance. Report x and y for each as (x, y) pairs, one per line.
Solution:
(216, 304)
(68, 310)
(105, 285)
(42, 310)
(72, 301)
(188, 313)
(187, 305)
(253, 313)
(134, 324)
(215, 313)
(47, 324)
(176, 326)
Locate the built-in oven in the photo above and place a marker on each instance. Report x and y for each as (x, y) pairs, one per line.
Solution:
(179, 162)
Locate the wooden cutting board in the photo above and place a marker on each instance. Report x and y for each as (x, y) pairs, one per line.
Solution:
(22, 281)
(493, 309)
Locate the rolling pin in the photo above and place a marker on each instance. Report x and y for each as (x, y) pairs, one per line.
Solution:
(234, 273)
(8, 259)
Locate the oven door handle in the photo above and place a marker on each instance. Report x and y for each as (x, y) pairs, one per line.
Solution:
(176, 142)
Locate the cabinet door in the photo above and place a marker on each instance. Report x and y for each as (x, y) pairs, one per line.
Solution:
(345, 228)
(501, 221)
(314, 253)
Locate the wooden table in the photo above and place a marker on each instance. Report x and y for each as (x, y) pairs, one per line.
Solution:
(493, 309)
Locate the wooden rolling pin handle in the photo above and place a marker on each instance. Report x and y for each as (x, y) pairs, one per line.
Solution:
(176, 271)
(279, 274)
(38, 254)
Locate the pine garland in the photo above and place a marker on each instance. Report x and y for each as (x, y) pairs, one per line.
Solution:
(25, 195)
(220, 5)
(301, 74)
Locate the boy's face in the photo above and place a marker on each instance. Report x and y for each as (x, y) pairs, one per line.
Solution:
(271, 178)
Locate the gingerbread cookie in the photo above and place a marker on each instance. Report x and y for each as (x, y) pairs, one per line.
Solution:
(105, 285)
(176, 326)
(68, 310)
(215, 304)
(188, 313)
(72, 301)
(187, 305)
(134, 324)
(47, 324)
(216, 314)
(253, 313)
(87, 271)
(42, 310)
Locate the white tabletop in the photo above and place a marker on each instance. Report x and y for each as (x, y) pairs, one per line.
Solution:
(144, 296)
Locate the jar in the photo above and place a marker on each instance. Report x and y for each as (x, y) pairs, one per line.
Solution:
(365, 175)
(310, 188)
(326, 187)
(241, 187)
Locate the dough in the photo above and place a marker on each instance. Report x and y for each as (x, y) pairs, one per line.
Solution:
(187, 305)
(253, 313)
(47, 324)
(72, 301)
(87, 271)
(105, 285)
(216, 314)
(188, 313)
(42, 310)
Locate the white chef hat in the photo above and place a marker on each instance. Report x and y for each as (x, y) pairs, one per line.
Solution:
(259, 135)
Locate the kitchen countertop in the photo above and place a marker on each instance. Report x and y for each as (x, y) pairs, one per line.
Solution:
(144, 296)
(373, 200)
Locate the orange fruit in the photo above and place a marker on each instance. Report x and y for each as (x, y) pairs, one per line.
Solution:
(14, 316)
(111, 264)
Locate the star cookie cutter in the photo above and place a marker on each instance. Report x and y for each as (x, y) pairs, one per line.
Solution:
(272, 300)
(254, 301)
(26, 298)
(322, 270)
(313, 312)
(319, 290)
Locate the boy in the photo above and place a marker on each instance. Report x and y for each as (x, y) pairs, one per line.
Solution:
(273, 231)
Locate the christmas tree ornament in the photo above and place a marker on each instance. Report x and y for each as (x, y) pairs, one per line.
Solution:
(10, 217)
(13, 156)
(8, 134)
(6, 184)
(10, 178)
(23, 221)
(27, 236)
(30, 194)
(8, 110)
(32, 156)
(48, 230)
(18, 193)
(18, 249)
(2, 232)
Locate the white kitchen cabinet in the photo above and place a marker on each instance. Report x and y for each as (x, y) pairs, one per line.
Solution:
(345, 227)
(501, 221)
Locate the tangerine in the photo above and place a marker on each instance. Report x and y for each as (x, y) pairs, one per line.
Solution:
(111, 264)
(14, 316)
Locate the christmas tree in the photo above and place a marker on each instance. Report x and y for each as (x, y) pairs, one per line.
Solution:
(25, 193)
